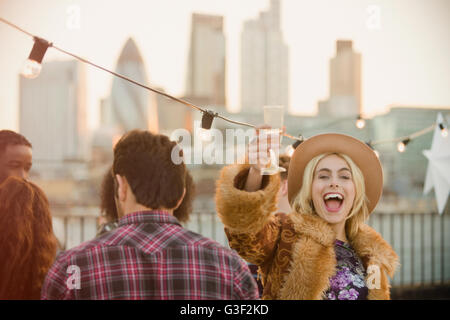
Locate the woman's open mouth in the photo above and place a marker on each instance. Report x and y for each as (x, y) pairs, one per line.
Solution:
(333, 201)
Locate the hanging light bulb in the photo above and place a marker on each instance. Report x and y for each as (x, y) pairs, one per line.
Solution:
(207, 119)
(360, 122)
(32, 66)
(296, 144)
(444, 130)
(401, 146)
(31, 69)
(205, 135)
(289, 150)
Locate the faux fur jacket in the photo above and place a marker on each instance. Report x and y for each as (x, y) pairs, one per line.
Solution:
(294, 252)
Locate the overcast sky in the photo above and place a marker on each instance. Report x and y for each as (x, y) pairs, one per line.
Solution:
(405, 48)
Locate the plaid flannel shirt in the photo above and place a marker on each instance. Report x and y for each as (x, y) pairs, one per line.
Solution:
(149, 256)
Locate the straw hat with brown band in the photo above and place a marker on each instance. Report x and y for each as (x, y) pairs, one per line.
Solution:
(363, 156)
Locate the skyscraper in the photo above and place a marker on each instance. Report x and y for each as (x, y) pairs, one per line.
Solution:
(53, 112)
(206, 63)
(167, 108)
(345, 83)
(131, 106)
(264, 62)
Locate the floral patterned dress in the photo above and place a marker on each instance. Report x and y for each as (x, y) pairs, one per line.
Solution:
(348, 282)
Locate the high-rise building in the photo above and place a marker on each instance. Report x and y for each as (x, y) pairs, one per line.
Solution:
(264, 62)
(53, 112)
(167, 108)
(131, 106)
(206, 62)
(345, 83)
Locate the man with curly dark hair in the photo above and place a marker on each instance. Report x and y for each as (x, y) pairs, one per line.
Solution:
(108, 204)
(149, 255)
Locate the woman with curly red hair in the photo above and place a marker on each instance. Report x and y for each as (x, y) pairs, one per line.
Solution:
(27, 243)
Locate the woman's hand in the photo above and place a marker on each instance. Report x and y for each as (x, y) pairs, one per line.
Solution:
(259, 155)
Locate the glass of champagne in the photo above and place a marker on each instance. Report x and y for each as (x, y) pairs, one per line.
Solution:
(274, 118)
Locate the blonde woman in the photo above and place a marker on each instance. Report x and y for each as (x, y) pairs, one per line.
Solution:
(323, 249)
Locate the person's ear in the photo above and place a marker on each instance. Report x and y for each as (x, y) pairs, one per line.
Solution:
(122, 188)
(181, 199)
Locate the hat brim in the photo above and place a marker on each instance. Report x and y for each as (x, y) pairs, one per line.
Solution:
(361, 154)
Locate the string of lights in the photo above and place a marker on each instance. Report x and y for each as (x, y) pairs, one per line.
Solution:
(33, 66)
(402, 142)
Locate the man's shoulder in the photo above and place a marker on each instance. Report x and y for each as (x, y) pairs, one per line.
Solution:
(203, 243)
(103, 242)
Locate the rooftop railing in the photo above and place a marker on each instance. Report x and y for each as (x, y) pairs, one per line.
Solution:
(422, 241)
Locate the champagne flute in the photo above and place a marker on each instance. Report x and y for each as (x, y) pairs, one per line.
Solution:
(274, 118)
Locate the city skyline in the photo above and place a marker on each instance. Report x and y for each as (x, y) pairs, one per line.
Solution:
(207, 60)
(57, 128)
(414, 71)
(264, 65)
(129, 106)
(345, 83)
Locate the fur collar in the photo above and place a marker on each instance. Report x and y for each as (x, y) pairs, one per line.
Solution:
(313, 260)
(370, 244)
(367, 243)
(314, 228)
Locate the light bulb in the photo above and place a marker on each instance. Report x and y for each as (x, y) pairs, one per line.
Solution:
(360, 123)
(32, 66)
(289, 150)
(31, 69)
(207, 119)
(205, 134)
(444, 132)
(401, 147)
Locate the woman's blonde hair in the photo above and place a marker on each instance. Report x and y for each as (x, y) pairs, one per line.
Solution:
(359, 212)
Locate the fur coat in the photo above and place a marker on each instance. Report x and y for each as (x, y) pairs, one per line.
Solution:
(294, 252)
